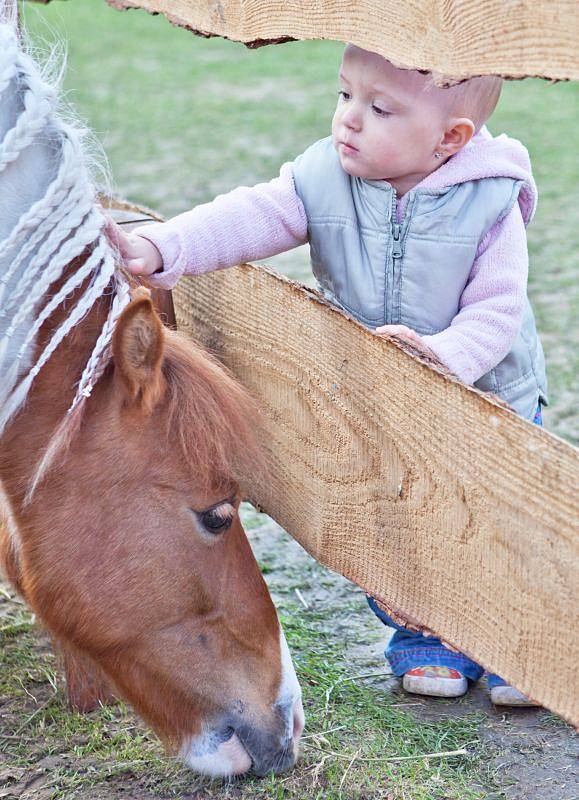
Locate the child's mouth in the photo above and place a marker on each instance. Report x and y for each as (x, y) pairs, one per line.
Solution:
(348, 149)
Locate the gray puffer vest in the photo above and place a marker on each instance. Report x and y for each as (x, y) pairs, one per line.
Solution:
(413, 273)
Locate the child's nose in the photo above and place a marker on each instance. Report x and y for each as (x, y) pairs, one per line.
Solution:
(352, 118)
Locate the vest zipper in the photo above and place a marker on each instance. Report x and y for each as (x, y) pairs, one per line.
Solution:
(396, 245)
(396, 229)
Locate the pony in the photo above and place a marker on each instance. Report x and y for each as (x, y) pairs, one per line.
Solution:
(120, 448)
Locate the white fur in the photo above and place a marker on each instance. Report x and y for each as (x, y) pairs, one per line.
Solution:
(218, 761)
(7, 519)
(290, 693)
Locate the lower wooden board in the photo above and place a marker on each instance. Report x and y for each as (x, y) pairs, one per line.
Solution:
(460, 517)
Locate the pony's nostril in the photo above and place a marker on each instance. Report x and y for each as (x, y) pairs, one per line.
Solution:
(226, 734)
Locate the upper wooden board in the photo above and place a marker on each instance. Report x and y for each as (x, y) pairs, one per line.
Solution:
(453, 38)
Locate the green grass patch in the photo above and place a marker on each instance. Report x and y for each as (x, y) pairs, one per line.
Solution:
(358, 743)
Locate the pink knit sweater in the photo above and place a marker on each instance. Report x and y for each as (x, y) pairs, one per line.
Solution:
(262, 221)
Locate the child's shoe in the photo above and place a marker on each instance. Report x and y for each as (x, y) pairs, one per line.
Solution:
(506, 695)
(435, 681)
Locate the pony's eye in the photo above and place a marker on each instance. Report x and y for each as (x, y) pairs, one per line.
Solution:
(219, 518)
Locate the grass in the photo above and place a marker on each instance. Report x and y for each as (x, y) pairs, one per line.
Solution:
(182, 119)
(352, 747)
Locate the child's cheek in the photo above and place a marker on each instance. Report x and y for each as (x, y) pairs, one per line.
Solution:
(347, 165)
(336, 122)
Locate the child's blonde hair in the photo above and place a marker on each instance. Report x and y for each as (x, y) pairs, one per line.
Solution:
(475, 98)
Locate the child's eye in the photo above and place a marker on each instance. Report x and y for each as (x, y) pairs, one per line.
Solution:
(380, 111)
(344, 95)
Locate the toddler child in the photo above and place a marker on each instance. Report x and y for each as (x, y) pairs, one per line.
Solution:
(415, 216)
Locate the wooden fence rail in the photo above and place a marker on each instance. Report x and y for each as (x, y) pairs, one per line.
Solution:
(457, 514)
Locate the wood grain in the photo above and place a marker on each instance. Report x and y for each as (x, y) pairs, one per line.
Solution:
(457, 514)
(454, 38)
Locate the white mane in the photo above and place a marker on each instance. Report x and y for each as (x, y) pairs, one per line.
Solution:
(48, 217)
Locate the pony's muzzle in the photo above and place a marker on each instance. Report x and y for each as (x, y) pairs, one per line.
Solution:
(263, 738)
(274, 748)
(238, 745)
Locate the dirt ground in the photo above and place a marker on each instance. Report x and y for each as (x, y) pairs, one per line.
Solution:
(533, 753)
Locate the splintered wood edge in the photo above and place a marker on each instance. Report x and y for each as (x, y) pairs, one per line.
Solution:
(115, 203)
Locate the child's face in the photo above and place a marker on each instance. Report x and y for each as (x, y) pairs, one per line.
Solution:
(385, 125)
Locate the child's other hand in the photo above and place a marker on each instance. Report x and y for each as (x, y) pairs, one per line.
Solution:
(401, 331)
(140, 256)
(404, 334)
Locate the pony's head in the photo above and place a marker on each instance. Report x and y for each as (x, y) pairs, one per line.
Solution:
(142, 563)
(126, 541)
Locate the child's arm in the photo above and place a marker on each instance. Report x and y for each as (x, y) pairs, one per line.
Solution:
(491, 305)
(243, 225)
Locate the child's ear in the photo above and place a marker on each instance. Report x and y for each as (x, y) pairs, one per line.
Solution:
(457, 135)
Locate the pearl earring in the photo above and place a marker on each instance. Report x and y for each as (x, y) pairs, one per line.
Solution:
(438, 155)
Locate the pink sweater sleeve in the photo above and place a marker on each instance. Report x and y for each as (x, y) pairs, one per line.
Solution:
(246, 224)
(491, 305)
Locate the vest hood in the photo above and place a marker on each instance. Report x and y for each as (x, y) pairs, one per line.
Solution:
(487, 156)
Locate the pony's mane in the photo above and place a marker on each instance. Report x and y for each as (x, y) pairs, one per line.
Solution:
(48, 218)
(209, 414)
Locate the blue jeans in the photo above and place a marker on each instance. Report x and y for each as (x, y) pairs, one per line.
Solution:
(407, 650)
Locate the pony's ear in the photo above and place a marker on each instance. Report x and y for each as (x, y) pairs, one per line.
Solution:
(138, 352)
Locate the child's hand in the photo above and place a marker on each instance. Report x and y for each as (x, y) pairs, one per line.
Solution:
(141, 257)
(401, 331)
(404, 334)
